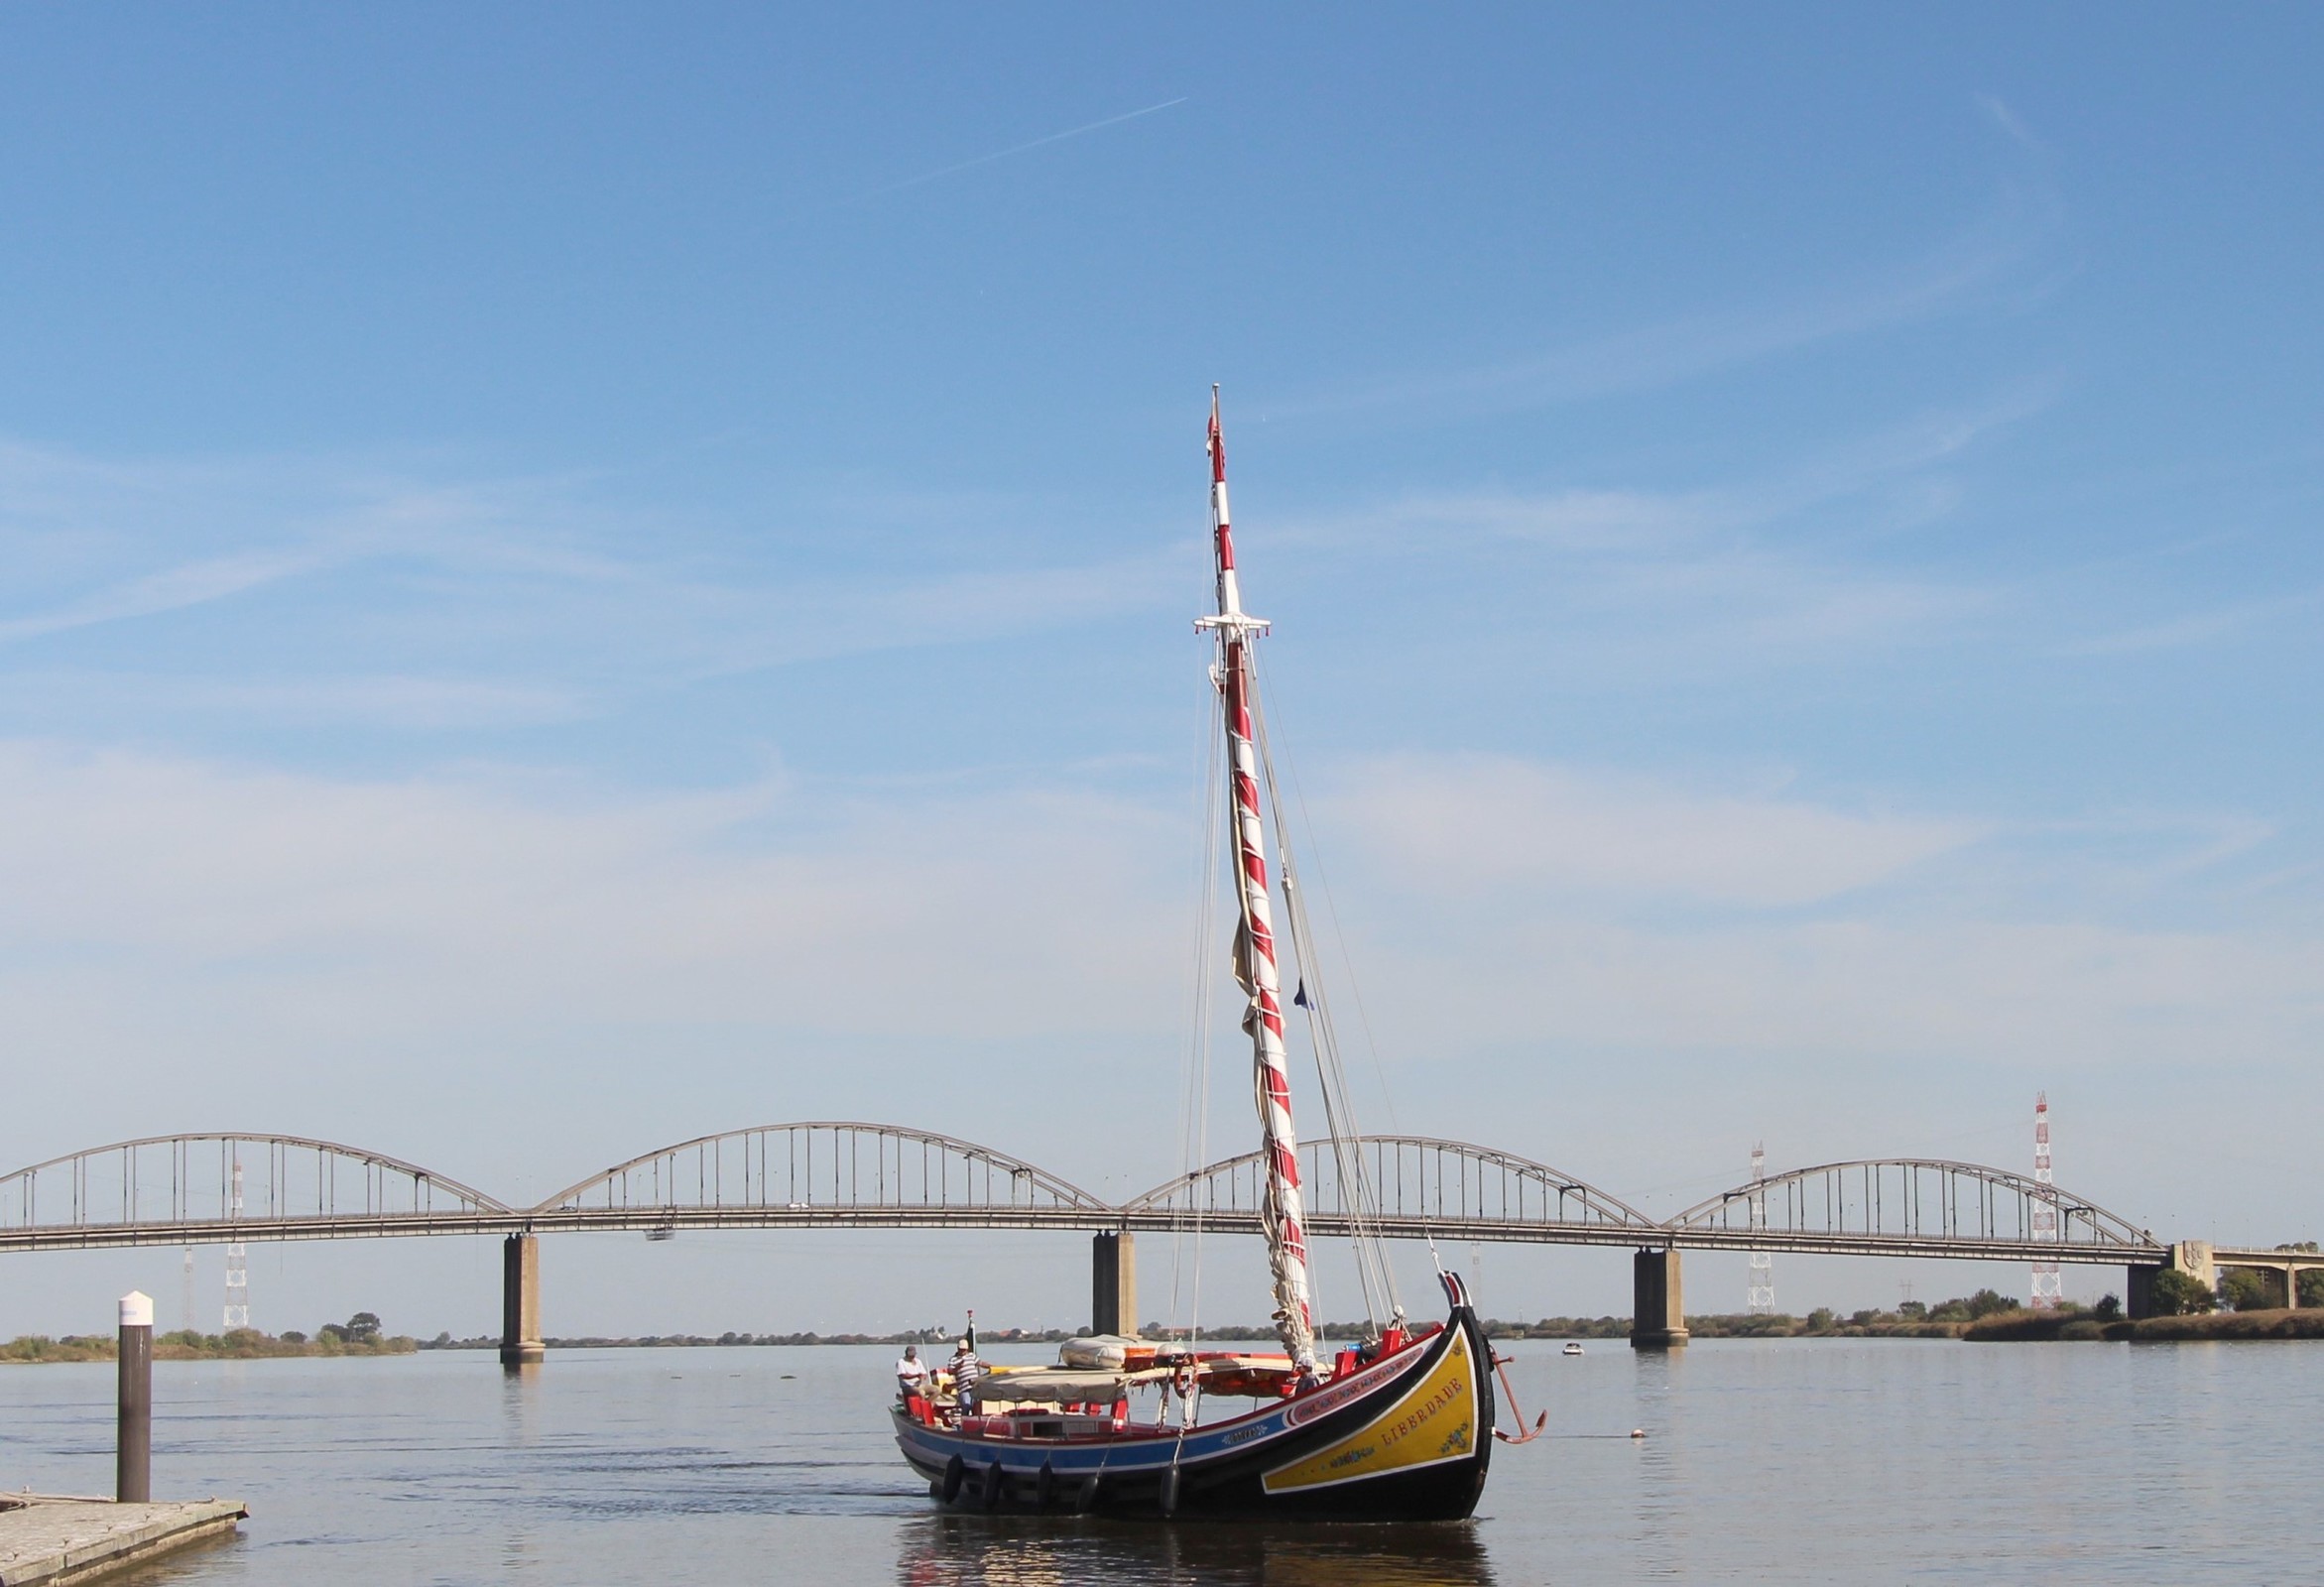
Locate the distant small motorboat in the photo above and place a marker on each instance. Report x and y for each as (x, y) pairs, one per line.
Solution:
(1573, 1347)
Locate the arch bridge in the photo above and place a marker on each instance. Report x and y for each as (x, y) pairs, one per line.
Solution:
(826, 1174)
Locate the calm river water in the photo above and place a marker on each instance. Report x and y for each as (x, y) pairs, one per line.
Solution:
(1794, 1461)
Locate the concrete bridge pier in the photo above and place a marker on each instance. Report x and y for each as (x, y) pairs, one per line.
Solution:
(1113, 1282)
(1659, 1303)
(2190, 1256)
(519, 1302)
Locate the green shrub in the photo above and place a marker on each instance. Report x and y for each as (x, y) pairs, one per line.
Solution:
(2180, 1295)
(2243, 1289)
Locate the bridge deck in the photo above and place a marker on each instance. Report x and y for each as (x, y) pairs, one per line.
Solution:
(651, 1220)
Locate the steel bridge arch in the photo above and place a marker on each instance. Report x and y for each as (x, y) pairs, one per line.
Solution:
(1911, 1199)
(1409, 1175)
(823, 1171)
(179, 1186)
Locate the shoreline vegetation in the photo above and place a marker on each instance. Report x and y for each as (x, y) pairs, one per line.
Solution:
(359, 1335)
(1912, 1320)
(1985, 1317)
(2275, 1322)
(242, 1344)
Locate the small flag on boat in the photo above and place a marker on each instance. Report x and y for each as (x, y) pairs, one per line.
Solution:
(1299, 998)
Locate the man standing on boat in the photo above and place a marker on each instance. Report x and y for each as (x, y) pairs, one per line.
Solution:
(966, 1369)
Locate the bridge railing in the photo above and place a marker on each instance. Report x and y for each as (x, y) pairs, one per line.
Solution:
(1415, 1182)
(1921, 1200)
(184, 1184)
(825, 1171)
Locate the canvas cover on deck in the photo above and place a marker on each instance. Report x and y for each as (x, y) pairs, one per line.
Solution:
(1052, 1385)
(1108, 1352)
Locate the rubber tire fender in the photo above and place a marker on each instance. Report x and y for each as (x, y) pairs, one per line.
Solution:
(989, 1495)
(1044, 1486)
(1169, 1496)
(955, 1473)
(1086, 1496)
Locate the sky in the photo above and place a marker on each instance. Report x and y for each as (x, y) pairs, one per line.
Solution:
(574, 576)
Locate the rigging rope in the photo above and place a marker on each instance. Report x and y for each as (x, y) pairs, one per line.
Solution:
(1356, 986)
(1374, 1273)
(1194, 1114)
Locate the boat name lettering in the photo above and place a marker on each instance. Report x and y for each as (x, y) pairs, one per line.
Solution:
(1452, 1390)
(1338, 1395)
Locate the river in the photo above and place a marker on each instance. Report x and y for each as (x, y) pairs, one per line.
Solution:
(1828, 1460)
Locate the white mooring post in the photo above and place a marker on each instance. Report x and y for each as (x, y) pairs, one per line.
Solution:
(133, 1449)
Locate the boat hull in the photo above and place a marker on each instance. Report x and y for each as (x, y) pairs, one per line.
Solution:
(1407, 1438)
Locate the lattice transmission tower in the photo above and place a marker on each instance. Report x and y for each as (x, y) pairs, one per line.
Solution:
(1760, 1297)
(237, 1264)
(2048, 1287)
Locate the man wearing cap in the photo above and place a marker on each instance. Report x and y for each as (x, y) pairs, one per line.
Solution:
(911, 1374)
(966, 1370)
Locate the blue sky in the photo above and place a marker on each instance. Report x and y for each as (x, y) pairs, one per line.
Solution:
(630, 570)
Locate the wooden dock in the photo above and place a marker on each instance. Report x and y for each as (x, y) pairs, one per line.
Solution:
(56, 1542)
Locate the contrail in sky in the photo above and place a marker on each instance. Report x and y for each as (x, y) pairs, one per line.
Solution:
(1003, 154)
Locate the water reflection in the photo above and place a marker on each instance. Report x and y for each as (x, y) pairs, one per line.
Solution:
(520, 1403)
(952, 1550)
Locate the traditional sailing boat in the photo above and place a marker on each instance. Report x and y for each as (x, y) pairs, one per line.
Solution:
(1397, 1429)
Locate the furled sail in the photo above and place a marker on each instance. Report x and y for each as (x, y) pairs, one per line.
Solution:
(1281, 1213)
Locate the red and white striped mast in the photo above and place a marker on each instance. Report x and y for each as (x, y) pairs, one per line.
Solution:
(1282, 1212)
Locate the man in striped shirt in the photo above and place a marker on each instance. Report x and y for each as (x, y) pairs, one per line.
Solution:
(966, 1372)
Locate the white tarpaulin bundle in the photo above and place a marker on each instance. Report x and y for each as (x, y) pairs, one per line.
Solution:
(1108, 1351)
(1055, 1385)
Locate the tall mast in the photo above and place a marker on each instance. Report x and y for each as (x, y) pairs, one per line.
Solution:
(1281, 1213)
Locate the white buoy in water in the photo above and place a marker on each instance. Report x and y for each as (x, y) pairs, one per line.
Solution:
(1638, 1432)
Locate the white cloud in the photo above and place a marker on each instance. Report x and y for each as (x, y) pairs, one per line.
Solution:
(425, 905)
(424, 591)
(1640, 522)
(167, 589)
(1873, 992)
(1645, 586)
(388, 700)
(1473, 823)
(2198, 628)
(2007, 247)
(1509, 906)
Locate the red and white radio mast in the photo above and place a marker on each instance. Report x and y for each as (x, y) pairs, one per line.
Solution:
(2048, 1288)
(1760, 1296)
